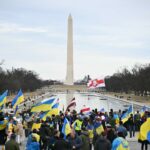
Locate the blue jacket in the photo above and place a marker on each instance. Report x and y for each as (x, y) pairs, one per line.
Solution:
(33, 146)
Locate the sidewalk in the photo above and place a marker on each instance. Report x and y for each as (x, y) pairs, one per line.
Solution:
(133, 142)
(133, 139)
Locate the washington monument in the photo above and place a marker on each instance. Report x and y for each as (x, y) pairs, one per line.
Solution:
(69, 75)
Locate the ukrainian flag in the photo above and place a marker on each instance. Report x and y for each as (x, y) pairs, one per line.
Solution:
(98, 127)
(18, 99)
(44, 105)
(145, 131)
(3, 98)
(126, 115)
(36, 126)
(120, 144)
(42, 115)
(66, 129)
(116, 117)
(53, 111)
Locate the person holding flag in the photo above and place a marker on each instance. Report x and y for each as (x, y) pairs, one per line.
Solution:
(126, 115)
(66, 129)
(144, 134)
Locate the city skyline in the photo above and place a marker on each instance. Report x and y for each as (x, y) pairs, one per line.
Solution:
(108, 36)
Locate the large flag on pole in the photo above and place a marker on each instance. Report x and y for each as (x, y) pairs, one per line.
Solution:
(44, 105)
(54, 111)
(98, 127)
(3, 98)
(71, 105)
(96, 83)
(18, 99)
(66, 129)
(85, 110)
(126, 115)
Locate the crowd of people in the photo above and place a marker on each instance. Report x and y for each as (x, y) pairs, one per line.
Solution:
(97, 130)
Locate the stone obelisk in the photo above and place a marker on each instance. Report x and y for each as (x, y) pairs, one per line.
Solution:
(69, 76)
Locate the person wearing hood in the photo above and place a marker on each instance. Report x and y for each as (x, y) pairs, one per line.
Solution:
(30, 137)
(34, 145)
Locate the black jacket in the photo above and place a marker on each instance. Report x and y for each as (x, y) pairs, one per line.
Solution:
(102, 144)
(62, 144)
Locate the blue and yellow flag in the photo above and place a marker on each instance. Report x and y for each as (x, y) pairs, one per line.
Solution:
(18, 99)
(116, 117)
(144, 133)
(3, 98)
(126, 115)
(66, 129)
(98, 127)
(120, 144)
(36, 126)
(54, 111)
(44, 105)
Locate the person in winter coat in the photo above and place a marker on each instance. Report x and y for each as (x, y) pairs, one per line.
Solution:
(131, 126)
(75, 141)
(85, 140)
(34, 145)
(19, 132)
(120, 143)
(12, 144)
(111, 133)
(45, 135)
(30, 137)
(3, 135)
(61, 143)
(122, 129)
(102, 143)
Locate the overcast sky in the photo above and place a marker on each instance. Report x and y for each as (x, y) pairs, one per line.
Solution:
(108, 35)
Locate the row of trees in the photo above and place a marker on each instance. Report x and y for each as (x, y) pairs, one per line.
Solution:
(15, 79)
(137, 80)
